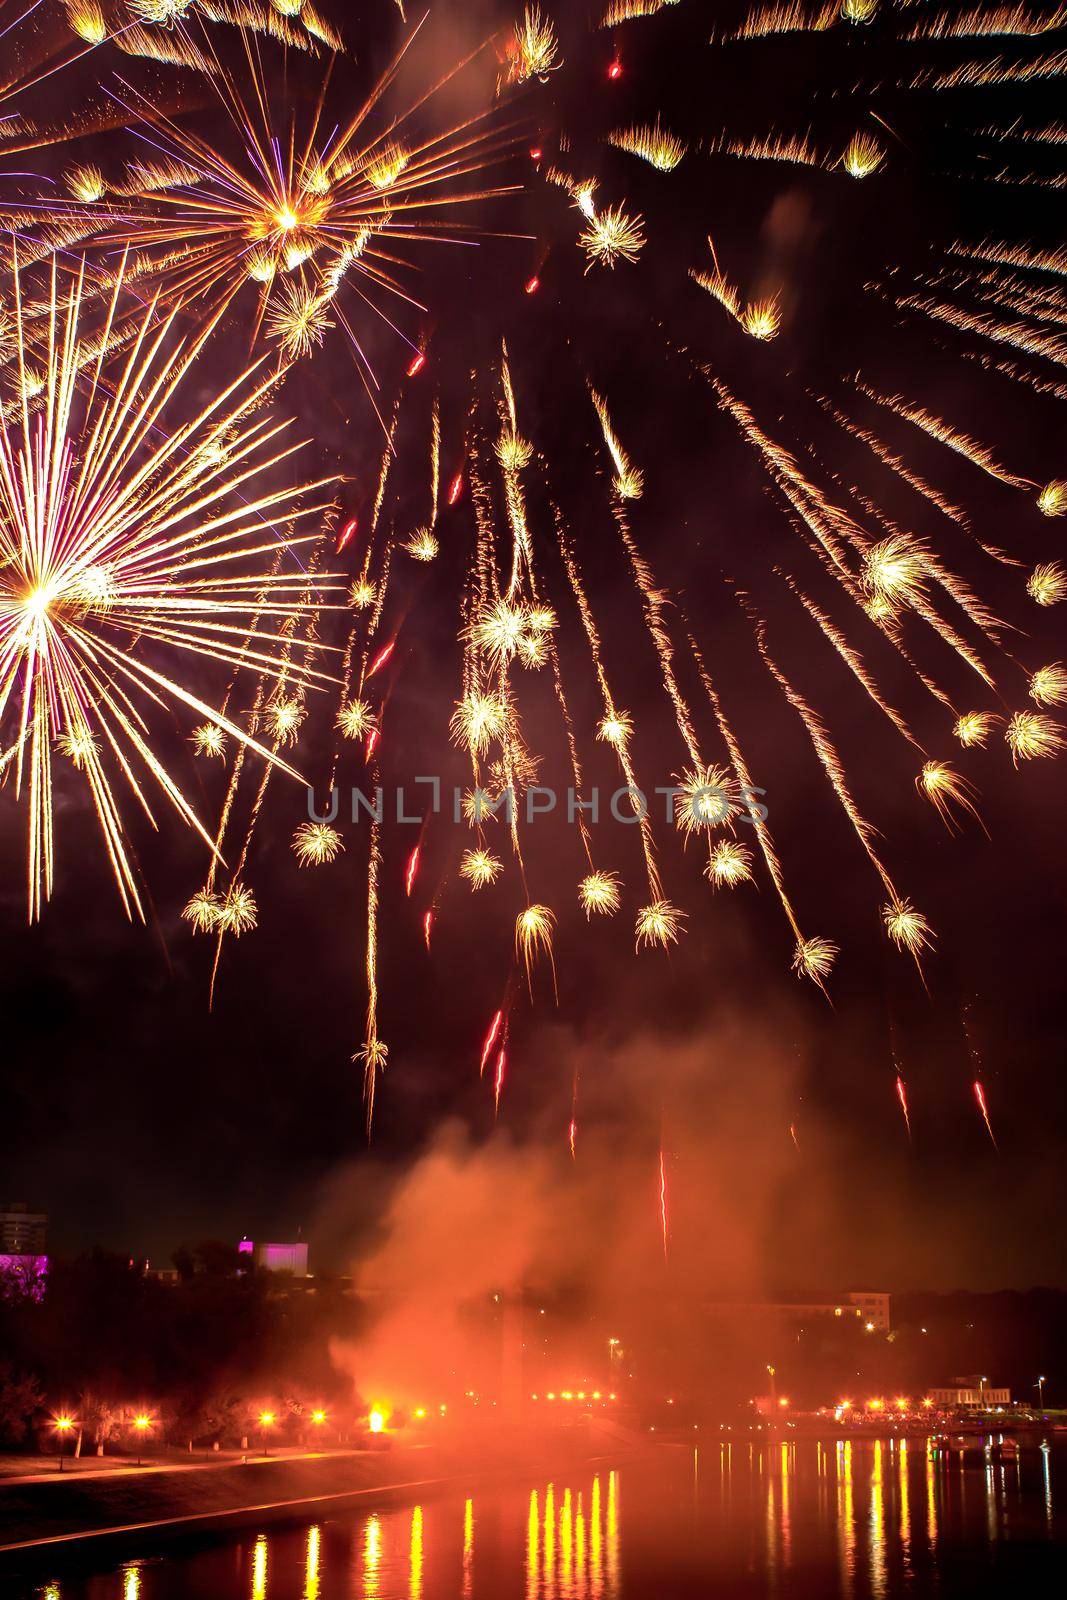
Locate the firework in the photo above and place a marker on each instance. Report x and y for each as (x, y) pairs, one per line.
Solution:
(612, 236)
(1031, 735)
(658, 924)
(356, 719)
(412, 870)
(1047, 584)
(908, 928)
(316, 843)
(1048, 685)
(652, 143)
(814, 958)
(533, 938)
(706, 798)
(664, 1208)
(491, 1038)
(945, 788)
(973, 728)
(629, 480)
(729, 864)
(422, 546)
(534, 49)
(1052, 500)
(862, 156)
(298, 212)
(480, 867)
(979, 1095)
(902, 1096)
(208, 740)
(143, 541)
(478, 720)
(600, 892)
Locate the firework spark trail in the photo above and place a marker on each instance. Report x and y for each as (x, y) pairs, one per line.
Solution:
(374, 1054)
(490, 1039)
(776, 17)
(830, 525)
(664, 1205)
(1014, 21)
(412, 870)
(986, 74)
(572, 751)
(902, 1096)
(852, 659)
(1013, 255)
(979, 455)
(913, 479)
(744, 779)
(1032, 341)
(629, 481)
(611, 714)
(831, 764)
(498, 1080)
(652, 602)
(435, 462)
(512, 461)
(979, 1095)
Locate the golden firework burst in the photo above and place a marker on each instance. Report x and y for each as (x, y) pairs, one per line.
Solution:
(316, 843)
(600, 892)
(973, 728)
(658, 924)
(480, 867)
(863, 155)
(707, 798)
(616, 729)
(945, 788)
(1053, 498)
(908, 928)
(1031, 736)
(203, 911)
(814, 958)
(356, 719)
(761, 318)
(422, 546)
(479, 719)
(729, 864)
(1047, 584)
(612, 236)
(1048, 685)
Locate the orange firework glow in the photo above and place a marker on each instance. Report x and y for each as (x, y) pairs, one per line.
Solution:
(412, 871)
(427, 928)
(979, 1095)
(498, 1079)
(490, 1039)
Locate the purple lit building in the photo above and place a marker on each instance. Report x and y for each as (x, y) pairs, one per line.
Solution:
(275, 1257)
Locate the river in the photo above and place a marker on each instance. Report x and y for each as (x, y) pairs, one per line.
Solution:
(788, 1518)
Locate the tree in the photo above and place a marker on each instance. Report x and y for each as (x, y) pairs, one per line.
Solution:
(20, 1397)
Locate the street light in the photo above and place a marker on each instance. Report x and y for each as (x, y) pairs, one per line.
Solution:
(1041, 1393)
(142, 1422)
(62, 1425)
(266, 1420)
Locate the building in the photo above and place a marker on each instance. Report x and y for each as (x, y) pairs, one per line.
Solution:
(865, 1306)
(275, 1257)
(969, 1394)
(22, 1231)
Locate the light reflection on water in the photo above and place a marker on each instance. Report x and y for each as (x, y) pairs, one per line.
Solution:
(790, 1518)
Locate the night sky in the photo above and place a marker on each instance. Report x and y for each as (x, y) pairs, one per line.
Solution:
(139, 1121)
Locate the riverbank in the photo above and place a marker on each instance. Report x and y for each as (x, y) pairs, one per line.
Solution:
(38, 1513)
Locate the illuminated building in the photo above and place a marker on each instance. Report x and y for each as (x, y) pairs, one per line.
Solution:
(22, 1231)
(275, 1257)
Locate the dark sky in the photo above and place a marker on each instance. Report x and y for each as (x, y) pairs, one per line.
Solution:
(138, 1120)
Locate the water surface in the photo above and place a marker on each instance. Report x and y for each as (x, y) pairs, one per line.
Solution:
(792, 1518)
